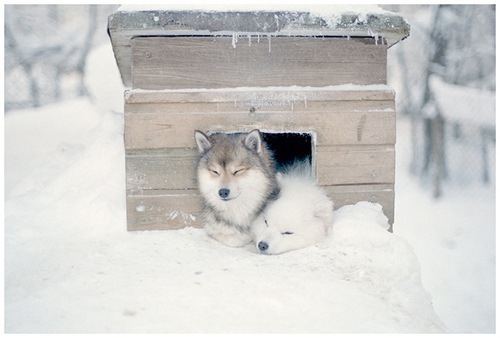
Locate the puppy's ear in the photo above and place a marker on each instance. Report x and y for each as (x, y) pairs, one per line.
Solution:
(253, 141)
(202, 141)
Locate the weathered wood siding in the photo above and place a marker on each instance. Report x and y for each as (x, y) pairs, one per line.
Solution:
(354, 141)
(222, 62)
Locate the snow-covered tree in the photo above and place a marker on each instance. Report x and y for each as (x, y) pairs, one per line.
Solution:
(455, 45)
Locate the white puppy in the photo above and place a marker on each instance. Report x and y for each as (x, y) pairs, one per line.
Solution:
(301, 216)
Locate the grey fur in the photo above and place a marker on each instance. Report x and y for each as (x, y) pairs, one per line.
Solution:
(225, 151)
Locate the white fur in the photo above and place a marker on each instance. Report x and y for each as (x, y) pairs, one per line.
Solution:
(229, 236)
(303, 209)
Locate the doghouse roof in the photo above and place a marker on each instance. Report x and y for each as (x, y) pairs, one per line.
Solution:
(313, 21)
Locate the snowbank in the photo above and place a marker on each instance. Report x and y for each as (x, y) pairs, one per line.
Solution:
(71, 266)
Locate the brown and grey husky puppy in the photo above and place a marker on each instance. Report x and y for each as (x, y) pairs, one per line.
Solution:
(237, 178)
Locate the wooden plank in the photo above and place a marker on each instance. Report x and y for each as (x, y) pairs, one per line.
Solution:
(175, 130)
(340, 165)
(208, 62)
(355, 164)
(175, 209)
(161, 210)
(273, 96)
(259, 106)
(161, 169)
(382, 194)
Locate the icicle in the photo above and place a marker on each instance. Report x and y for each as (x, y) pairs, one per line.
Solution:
(249, 39)
(269, 39)
(258, 38)
(235, 39)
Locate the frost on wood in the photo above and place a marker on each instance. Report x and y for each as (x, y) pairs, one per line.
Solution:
(186, 218)
(258, 97)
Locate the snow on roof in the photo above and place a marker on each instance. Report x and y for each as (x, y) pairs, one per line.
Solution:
(286, 19)
(312, 20)
(323, 10)
(463, 104)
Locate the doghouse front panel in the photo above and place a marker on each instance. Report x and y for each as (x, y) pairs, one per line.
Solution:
(253, 61)
(155, 120)
(354, 144)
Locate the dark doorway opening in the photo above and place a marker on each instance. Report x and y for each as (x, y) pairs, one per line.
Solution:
(289, 147)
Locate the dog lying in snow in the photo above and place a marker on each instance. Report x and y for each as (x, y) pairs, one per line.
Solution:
(301, 216)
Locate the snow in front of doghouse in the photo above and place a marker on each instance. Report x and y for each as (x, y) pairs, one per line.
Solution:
(71, 266)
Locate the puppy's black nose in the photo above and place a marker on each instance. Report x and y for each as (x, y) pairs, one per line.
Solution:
(262, 246)
(224, 193)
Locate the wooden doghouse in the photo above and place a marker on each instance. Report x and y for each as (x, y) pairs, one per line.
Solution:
(299, 77)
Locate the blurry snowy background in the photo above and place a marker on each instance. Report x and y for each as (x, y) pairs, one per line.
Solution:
(46, 48)
(445, 80)
(444, 75)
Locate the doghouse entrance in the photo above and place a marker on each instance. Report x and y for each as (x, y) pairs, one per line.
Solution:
(290, 147)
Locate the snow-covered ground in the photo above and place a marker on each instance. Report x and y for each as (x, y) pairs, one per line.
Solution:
(454, 239)
(71, 266)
